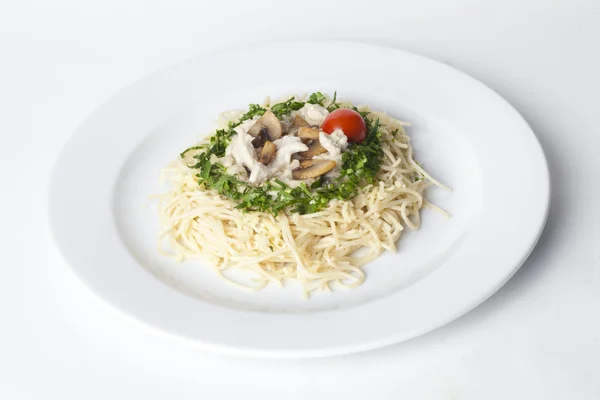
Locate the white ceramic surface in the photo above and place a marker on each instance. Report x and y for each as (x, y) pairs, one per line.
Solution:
(464, 133)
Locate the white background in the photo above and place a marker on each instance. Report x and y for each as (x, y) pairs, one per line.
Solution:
(537, 338)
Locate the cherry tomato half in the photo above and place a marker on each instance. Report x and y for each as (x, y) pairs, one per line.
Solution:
(347, 120)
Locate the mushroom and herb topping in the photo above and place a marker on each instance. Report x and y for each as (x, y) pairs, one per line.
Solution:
(278, 157)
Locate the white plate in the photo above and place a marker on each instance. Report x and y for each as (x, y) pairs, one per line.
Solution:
(464, 133)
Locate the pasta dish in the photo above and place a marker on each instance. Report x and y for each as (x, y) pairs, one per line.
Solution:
(308, 189)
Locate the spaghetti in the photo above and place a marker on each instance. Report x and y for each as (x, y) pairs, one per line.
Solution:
(320, 250)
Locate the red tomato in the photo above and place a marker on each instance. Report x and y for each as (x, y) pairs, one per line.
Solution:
(347, 120)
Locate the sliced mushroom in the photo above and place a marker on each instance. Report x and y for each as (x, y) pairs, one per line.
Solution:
(267, 154)
(269, 123)
(314, 148)
(285, 127)
(312, 169)
(308, 133)
(299, 122)
(261, 138)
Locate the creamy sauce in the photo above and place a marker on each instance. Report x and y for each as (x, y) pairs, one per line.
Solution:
(245, 155)
(335, 143)
(314, 114)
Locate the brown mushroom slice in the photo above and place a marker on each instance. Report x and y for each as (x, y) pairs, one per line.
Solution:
(267, 154)
(285, 128)
(269, 123)
(260, 139)
(312, 169)
(308, 133)
(314, 149)
(299, 122)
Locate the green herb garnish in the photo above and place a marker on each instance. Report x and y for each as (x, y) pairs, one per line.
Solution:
(333, 105)
(286, 107)
(253, 111)
(316, 98)
(362, 113)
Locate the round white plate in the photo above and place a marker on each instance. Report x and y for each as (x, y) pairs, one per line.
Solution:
(463, 132)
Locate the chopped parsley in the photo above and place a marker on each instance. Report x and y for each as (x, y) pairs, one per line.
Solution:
(333, 105)
(285, 108)
(360, 164)
(253, 111)
(316, 98)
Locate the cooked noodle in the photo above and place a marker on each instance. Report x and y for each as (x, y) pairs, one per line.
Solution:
(318, 250)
